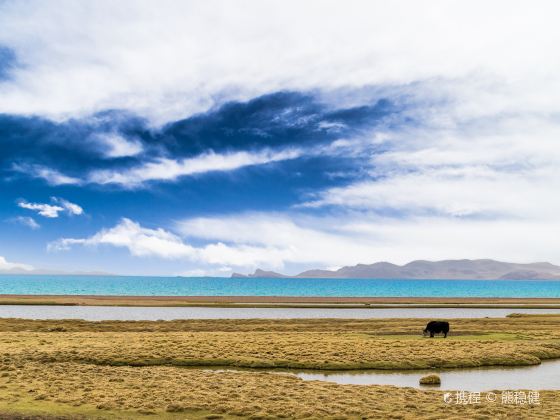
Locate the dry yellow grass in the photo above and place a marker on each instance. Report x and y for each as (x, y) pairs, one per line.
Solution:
(271, 349)
(135, 391)
(128, 369)
(321, 344)
(430, 380)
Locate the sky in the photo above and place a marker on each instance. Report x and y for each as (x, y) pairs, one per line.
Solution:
(209, 137)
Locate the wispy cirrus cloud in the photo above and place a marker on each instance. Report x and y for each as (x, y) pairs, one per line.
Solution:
(50, 175)
(52, 211)
(69, 207)
(115, 145)
(25, 221)
(165, 169)
(500, 170)
(119, 149)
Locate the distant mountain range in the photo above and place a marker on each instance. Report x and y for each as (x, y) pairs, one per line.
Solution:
(484, 269)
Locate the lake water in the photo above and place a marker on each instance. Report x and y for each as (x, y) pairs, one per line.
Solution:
(129, 313)
(219, 286)
(538, 377)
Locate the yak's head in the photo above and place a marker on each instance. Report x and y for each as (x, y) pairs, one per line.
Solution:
(424, 332)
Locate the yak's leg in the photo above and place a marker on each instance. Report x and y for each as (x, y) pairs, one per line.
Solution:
(431, 334)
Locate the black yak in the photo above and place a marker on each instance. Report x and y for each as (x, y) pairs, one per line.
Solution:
(436, 327)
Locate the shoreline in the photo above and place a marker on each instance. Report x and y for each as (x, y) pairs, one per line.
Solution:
(281, 301)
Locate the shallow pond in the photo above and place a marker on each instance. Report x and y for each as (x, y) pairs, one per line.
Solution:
(126, 313)
(538, 377)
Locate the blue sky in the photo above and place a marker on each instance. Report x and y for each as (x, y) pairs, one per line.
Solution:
(199, 138)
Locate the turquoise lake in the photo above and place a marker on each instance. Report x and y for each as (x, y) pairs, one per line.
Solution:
(219, 286)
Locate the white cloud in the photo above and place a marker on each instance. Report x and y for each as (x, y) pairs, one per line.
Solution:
(7, 266)
(352, 238)
(274, 239)
(474, 175)
(145, 242)
(201, 272)
(71, 208)
(172, 61)
(116, 146)
(52, 176)
(52, 210)
(140, 241)
(293, 243)
(467, 191)
(45, 210)
(26, 221)
(507, 169)
(165, 169)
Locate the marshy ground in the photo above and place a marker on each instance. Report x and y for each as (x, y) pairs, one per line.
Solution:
(119, 369)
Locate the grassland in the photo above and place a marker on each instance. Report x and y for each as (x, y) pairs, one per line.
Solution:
(137, 369)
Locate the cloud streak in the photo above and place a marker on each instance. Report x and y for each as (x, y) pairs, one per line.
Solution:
(50, 175)
(25, 221)
(118, 149)
(52, 211)
(116, 146)
(165, 169)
